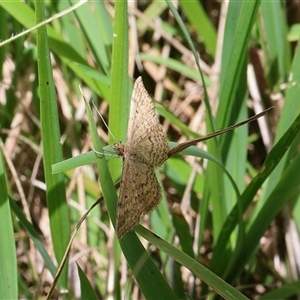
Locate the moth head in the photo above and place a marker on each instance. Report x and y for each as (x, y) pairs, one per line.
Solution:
(119, 148)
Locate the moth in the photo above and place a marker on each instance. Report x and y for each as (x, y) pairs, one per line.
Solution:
(145, 149)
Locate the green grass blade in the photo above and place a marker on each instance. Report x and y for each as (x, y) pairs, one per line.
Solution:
(284, 292)
(56, 198)
(241, 16)
(8, 255)
(87, 291)
(289, 112)
(216, 283)
(92, 22)
(175, 65)
(273, 31)
(199, 19)
(34, 237)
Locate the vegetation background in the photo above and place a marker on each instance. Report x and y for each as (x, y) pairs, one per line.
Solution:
(228, 226)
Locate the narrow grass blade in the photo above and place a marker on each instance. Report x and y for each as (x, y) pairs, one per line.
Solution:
(56, 197)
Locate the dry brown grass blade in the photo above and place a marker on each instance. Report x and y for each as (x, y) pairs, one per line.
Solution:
(180, 147)
(63, 262)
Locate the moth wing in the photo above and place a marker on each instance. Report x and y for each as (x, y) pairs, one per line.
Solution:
(142, 116)
(140, 193)
(153, 148)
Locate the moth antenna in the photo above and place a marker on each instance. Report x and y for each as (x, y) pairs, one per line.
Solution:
(98, 114)
(104, 122)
